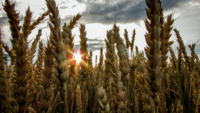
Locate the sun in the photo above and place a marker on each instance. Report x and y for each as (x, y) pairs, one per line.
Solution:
(77, 57)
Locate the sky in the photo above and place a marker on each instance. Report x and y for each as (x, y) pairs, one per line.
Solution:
(100, 15)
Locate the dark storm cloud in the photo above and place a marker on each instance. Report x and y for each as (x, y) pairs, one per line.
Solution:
(123, 11)
(169, 4)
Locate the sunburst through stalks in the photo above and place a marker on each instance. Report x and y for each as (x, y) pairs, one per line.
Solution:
(77, 57)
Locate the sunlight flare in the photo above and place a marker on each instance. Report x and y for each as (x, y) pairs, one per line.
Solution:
(77, 57)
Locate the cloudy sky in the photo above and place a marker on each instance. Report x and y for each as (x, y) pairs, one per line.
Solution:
(100, 15)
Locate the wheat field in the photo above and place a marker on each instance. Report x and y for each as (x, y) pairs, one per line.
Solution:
(119, 83)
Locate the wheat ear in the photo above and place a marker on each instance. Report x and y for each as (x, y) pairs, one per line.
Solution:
(39, 67)
(14, 21)
(124, 65)
(165, 36)
(74, 21)
(192, 49)
(165, 41)
(123, 55)
(126, 39)
(153, 53)
(102, 99)
(147, 101)
(2, 67)
(59, 52)
(56, 102)
(35, 23)
(196, 89)
(182, 46)
(26, 25)
(173, 58)
(47, 92)
(22, 75)
(34, 44)
(99, 69)
(3, 82)
(132, 42)
(83, 44)
(179, 108)
(71, 26)
(109, 61)
(84, 53)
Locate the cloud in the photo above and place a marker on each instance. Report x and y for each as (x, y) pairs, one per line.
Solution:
(63, 7)
(62, 2)
(5, 31)
(44, 9)
(187, 25)
(123, 11)
(74, 6)
(169, 4)
(106, 12)
(3, 21)
(197, 49)
(93, 44)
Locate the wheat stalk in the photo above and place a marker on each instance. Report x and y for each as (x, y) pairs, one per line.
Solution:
(58, 51)
(78, 99)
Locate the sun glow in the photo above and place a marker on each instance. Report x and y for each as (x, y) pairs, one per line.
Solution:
(77, 57)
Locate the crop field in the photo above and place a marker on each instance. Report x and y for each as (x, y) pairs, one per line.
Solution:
(123, 81)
